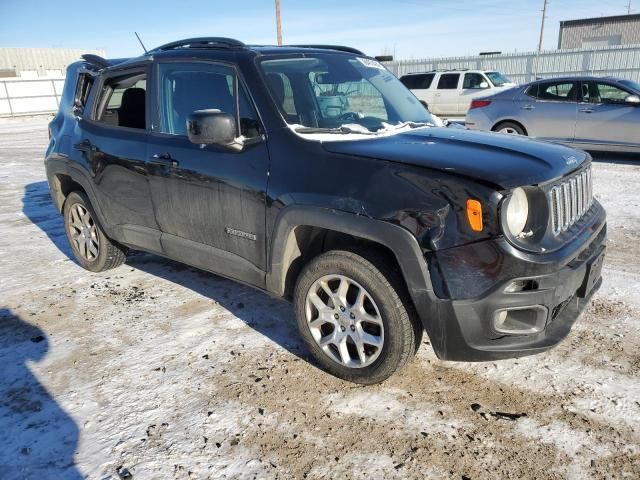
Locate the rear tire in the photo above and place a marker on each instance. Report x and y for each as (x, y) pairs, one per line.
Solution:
(363, 332)
(510, 128)
(92, 249)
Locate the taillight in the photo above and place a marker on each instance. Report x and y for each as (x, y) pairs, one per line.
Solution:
(479, 103)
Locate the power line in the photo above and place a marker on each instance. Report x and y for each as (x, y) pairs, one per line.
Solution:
(544, 15)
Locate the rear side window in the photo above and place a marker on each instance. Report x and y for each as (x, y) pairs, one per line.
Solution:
(554, 91)
(418, 82)
(448, 81)
(123, 101)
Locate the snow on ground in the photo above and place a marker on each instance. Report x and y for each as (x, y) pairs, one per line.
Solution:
(169, 372)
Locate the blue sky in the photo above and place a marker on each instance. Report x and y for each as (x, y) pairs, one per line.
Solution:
(408, 28)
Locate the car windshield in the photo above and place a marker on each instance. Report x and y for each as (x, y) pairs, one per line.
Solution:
(498, 79)
(631, 84)
(336, 93)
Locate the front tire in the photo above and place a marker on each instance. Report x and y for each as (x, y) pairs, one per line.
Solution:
(92, 249)
(355, 316)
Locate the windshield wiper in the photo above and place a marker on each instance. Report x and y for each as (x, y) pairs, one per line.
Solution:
(343, 130)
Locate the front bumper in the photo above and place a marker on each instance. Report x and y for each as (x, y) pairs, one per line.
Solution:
(478, 278)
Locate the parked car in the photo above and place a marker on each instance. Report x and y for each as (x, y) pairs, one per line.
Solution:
(375, 224)
(450, 92)
(592, 113)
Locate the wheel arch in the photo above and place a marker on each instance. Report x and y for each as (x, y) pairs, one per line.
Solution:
(509, 120)
(301, 232)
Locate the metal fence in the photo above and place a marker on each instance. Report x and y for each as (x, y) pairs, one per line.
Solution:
(620, 61)
(29, 97)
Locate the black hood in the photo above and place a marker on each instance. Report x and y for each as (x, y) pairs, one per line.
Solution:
(507, 161)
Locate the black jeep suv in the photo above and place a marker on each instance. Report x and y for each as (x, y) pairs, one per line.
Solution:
(312, 173)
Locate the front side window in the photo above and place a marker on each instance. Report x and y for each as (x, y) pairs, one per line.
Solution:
(603, 93)
(473, 81)
(555, 91)
(123, 101)
(329, 91)
(448, 81)
(187, 87)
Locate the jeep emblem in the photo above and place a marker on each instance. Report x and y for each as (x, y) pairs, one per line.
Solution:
(570, 159)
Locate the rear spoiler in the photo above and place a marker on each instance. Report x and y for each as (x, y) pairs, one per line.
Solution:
(96, 62)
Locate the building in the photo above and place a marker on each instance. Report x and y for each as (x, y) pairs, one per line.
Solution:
(600, 32)
(34, 63)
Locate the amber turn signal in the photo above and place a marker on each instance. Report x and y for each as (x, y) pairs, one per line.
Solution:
(474, 215)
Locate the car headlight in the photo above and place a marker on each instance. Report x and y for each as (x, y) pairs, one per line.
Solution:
(517, 211)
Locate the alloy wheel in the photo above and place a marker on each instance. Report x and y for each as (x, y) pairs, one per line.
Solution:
(344, 321)
(83, 232)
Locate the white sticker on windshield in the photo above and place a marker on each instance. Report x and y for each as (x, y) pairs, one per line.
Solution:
(367, 62)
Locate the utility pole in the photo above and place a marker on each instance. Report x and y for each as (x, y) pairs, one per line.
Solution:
(629, 8)
(544, 15)
(278, 24)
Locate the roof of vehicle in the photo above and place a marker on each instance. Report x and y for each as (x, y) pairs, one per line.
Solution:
(453, 70)
(572, 78)
(212, 47)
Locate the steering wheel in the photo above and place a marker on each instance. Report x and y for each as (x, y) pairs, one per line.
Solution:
(349, 117)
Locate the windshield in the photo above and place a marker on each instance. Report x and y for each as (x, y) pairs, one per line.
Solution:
(631, 84)
(341, 94)
(498, 79)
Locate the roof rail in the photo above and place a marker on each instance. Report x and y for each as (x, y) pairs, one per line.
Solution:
(95, 61)
(340, 48)
(201, 42)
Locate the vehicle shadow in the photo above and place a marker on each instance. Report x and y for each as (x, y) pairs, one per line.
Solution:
(269, 316)
(38, 437)
(38, 207)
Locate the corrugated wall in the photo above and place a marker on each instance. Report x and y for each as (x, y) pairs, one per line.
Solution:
(622, 61)
(41, 59)
(625, 31)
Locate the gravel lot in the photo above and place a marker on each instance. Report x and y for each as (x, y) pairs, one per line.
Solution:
(168, 372)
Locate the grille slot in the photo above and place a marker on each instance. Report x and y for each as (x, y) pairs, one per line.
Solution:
(570, 199)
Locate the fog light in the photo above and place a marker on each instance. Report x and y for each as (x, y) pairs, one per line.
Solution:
(520, 320)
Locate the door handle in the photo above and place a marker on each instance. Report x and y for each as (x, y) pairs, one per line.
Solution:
(85, 146)
(528, 107)
(586, 110)
(164, 159)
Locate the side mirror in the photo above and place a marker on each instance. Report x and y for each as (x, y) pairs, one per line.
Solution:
(632, 99)
(484, 85)
(211, 127)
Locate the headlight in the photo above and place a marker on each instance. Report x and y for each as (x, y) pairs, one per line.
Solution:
(517, 211)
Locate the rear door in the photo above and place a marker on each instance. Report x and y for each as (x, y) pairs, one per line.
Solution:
(446, 95)
(604, 119)
(113, 143)
(209, 200)
(548, 110)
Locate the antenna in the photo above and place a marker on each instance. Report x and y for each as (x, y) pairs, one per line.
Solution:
(143, 47)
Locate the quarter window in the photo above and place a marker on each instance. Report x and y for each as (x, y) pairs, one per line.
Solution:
(448, 81)
(123, 101)
(185, 88)
(85, 82)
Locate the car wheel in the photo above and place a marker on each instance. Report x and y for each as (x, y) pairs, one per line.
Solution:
(509, 128)
(91, 247)
(355, 316)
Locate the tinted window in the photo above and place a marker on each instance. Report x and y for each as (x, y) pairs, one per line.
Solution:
(603, 93)
(85, 81)
(449, 81)
(473, 80)
(122, 101)
(417, 82)
(185, 88)
(554, 91)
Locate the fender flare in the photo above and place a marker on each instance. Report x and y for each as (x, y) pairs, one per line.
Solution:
(398, 240)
